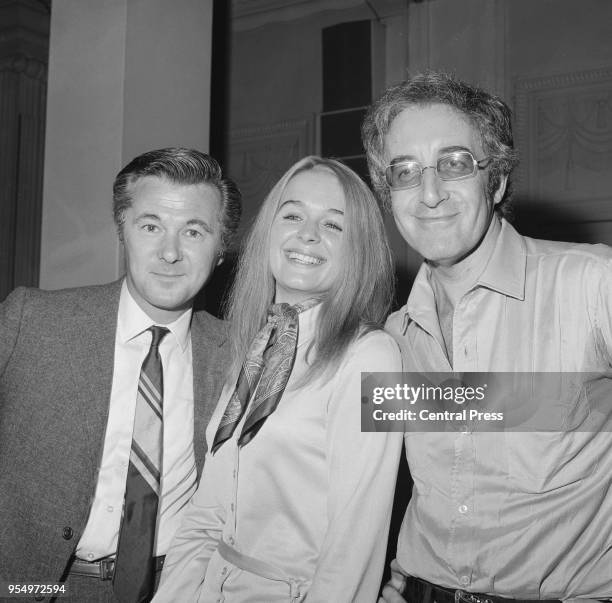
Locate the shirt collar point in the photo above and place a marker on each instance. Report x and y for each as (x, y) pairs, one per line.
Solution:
(505, 271)
(133, 321)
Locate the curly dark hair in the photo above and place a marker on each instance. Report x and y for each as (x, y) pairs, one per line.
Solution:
(489, 114)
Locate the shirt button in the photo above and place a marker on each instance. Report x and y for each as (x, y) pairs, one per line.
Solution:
(67, 533)
(463, 509)
(224, 571)
(90, 555)
(231, 540)
(110, 508)
(464, 580)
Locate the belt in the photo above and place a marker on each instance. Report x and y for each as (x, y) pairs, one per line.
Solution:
(420, 590)
(103, 569)
(259, 568)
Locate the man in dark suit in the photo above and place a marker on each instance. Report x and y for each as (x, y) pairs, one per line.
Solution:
(105, 391)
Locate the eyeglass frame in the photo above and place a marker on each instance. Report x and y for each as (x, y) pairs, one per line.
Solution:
(478, 164)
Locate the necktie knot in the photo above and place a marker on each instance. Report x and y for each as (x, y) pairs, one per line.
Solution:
(280, 315)
(283, 311)
(158, 334)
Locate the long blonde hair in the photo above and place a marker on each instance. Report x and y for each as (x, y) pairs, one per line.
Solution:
(360, 297)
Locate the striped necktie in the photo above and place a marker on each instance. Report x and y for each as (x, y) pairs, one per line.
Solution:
(134, 574)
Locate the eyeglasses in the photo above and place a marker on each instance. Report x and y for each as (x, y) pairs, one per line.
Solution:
(453, 166)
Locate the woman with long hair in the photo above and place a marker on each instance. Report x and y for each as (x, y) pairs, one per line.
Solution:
(295, 501)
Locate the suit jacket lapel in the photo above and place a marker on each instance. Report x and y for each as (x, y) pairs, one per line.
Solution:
(210, 356)
(91, 349)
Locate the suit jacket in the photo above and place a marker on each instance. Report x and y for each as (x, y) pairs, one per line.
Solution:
(56, 370)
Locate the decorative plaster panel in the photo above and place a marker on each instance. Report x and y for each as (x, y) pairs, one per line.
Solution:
(258, 157)
(564, 135)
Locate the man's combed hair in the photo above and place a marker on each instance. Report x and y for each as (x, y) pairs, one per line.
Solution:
(180, 166)
(359, 298)
(488, 113)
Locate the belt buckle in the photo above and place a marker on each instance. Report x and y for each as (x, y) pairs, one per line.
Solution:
(462, 596)
(107, 569)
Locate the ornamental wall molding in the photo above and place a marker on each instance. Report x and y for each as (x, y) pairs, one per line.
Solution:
(250, 14)
(563, 79)
(259, 131)
(564, 136)
(260, 154)
(23, 64)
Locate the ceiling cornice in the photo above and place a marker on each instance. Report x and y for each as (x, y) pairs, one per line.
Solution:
(250, 14)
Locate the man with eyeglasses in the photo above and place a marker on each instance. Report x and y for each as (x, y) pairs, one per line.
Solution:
(494, 516)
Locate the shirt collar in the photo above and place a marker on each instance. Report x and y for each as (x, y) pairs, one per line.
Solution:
(132, 320)
(504, 273)
(308, 324)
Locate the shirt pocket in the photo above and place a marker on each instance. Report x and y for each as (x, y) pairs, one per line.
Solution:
(540, 462)
(545, 460)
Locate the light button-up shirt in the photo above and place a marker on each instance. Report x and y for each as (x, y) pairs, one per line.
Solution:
(517, 514)
(310, 494)
(178, 482)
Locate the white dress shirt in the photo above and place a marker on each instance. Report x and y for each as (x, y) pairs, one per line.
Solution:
(179, 476)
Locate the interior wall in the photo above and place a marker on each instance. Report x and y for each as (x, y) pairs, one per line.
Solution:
(125, 76)
(276, 97)
(511, 47)
(167, 75)
(551, 61)
(546, 37)
(559, 69)
(83, 143)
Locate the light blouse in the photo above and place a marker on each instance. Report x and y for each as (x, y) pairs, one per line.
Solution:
(310, 495)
